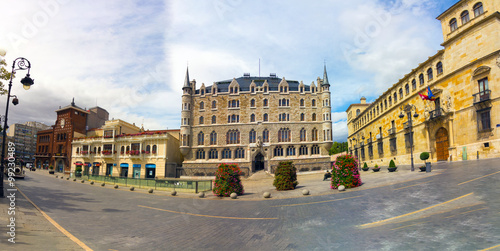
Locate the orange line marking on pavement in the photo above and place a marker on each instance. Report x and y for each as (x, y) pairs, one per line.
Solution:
(210, 216)
(478, 178)
(466, 212)
(316, 202)
(418, 211)
(490, 248)
(64, 231)
(410, 225)
(413, 185)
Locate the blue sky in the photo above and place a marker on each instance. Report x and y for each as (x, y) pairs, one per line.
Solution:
(130, 56)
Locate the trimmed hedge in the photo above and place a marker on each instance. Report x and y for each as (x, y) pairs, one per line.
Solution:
(391, 164)
(285, 177)
(345, 172)
(424, 156)
(227, 180)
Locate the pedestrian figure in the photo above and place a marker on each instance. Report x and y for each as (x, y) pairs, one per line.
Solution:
(327, 175)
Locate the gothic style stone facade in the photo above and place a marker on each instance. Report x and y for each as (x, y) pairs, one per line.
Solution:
(256, 122)
(463, 120)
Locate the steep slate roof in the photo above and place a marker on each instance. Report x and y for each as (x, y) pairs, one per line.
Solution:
(244, 83)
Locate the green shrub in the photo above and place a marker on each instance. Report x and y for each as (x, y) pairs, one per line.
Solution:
(285, 177)
(376, 166)
(345, 172)
(391, 164)
(365, 165)
(424, 156)
(227, 180)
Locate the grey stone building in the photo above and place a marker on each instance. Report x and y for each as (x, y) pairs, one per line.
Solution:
(24, 137)
(256, 122)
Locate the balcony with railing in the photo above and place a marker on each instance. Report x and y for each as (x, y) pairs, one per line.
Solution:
(482, 96)
(435, 114)
(392, 131)
(369, 141)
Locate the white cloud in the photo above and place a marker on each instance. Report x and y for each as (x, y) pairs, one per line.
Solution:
(130, 57)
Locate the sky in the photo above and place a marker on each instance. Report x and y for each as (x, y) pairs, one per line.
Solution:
(130, 56)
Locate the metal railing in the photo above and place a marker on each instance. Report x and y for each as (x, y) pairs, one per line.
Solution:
(482, 96)
(186, 185)
(436, 113)
(392, 131)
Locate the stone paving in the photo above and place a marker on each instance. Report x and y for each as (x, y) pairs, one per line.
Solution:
(35, 232)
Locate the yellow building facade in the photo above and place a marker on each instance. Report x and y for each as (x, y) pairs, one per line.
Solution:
(122, 149)
(462, 120)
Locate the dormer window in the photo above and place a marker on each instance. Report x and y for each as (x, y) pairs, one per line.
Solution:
(265, 89)
(202, 91)
(252, 89)
(453, 25)
(478, 9)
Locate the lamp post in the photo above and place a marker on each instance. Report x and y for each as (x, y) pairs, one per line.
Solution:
(408, 109)
(358, 153)
(21, 64)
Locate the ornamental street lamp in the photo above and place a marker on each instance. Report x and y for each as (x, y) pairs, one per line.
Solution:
(408, 109)
(358, 153)
(21, 64)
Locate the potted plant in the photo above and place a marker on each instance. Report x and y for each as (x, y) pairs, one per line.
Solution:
(365, 167)
(51, 169)
(424, 156)
(392, 166)
(376, 168)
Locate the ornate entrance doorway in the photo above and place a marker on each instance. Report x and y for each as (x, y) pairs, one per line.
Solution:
(442, 144)
(258, 162)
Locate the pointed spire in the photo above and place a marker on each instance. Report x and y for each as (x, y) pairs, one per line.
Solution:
(325, 77)
(186, 81)
(73, 102)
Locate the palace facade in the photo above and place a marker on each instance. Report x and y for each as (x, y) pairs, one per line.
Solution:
(256, 122)
(121, 149)
(462, 122)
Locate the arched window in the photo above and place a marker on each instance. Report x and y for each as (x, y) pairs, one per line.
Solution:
(148, 149)
(302, 102)
(202, 105)
(400, 93)
(407, 89)
(213, 154)
(201, 138)
(226, 153)
(464, 17)
(395, 98)
(290, 151)
(453, 24)
(385, 104)
(303, 150)
(128, 149)
(420, 80)
(390, 100)
(233, 137)
(302, 117)
(314, 134)
(265, 102)
(429, 74)
(154, 149)
(252, 136)
(413, 85)
(239, 153)
(214, 104)
(313, 102)
(278, 151)
(252, 89)
(201, 120)
(358, 112)
(314, 117)
(303, 134)
(315, 149)
(122, 150)
(265, 89)
(284, 135)
(202, 91)
(252, 118)
(200, 154)
(439, 68)
(265, 117)
(252, 103)
(214, 119)
(213, 138)
(478, 9)
(265, 136)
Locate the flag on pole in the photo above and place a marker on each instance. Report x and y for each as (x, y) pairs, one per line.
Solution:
(430, 96)
(423, 96)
